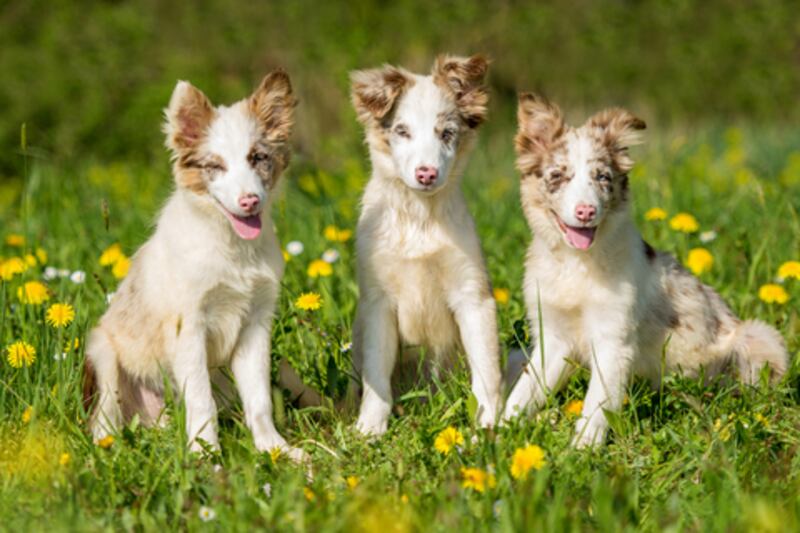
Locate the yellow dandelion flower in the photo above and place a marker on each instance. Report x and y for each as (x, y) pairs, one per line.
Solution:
(64, 459)
(404, 498)
(111, 255)
(30, 260)
(525, 459)
(762, 420)
(72, 346)
(33, 293)
(574, 408)
(447, 439)
(790, 269)
(275, 454)
(502, 296)
(41, 255)
(121, 267)
(309, 494)
(15, 240)
(286, 256)
(655, 213)
(699, 261)
(352, 482)
(684, 222)
(308, 301)
(27, 414)
(20, 353)
(60, 315)
(106, 442)
(334, 234)
(11, 267)
(477, 479)
(319, 268)
(773, 294)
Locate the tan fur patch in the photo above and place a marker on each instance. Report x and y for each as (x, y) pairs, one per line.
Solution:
(464, 79)
(272, 104)
(375, 91)
(540, 130)
(617, 130)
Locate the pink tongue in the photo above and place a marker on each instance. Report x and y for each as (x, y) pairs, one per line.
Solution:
(581, 238)
(247, 227)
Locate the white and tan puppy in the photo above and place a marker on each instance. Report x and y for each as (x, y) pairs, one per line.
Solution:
(422, 277)
(202, 291)
(601, 294)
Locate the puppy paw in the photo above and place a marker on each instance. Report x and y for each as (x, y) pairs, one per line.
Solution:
(372, 427)
(589, 433)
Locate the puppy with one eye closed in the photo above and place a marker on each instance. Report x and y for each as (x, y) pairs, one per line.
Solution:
(597, 291)
(201, 292)
(421, 272)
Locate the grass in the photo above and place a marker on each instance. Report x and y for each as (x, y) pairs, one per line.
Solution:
(688, 456)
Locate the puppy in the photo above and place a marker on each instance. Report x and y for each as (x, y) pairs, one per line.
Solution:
(421, 273)
(201, 292)
(600, 293)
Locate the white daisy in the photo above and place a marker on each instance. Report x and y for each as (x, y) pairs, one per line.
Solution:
(267, 488)
(78, 277)
(708, 236)
(50, 273)
(330, 256)
(295, 248)
(206, 514)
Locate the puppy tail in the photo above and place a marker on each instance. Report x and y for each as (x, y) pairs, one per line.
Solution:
(300, 392)
(756, 344)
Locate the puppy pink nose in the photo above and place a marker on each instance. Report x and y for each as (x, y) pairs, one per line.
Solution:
(249, 203)
(585, 213)
(426, 175)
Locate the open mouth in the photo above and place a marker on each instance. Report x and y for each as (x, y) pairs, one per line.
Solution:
(580, 238)
(247, 228)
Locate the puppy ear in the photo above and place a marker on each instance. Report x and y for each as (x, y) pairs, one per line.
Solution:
(375, 91)
(272, 104)
(618, 130)
(540, 123)
(464, 77)
(187, 117)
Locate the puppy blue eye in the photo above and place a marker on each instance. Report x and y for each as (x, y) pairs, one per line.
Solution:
(604, 176)
(448, 134)
(402, 131)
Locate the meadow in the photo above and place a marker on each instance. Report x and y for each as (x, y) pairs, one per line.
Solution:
(83, 173)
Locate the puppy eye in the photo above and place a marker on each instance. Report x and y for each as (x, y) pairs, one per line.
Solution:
(604, 177)
(211, 165)
(402, 131)
(258, 157)
(448, 134)
(556, 175)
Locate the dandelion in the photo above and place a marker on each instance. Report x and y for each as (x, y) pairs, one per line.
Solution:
(525, 459)
(684, 222)
(477, 479)
(275, 454)
(295, 248)
(334, 234)
(761, 419)
(77, 277)
(60, 315)
(447, 439)
(790, 269)
(352, 482)
(699, 261)
(655, 213)
(309, 494)
(27, 414)
(404, 498)
(574, 408)
(267, 488)
(121, 267)
(319, 268)
(41, 256)
(30, 260)
(206, 514)
(11, 267)
(15, 240)
(20, 353)
(64, 459)
(33, 293)
(773, 294)
(501, 296)
(111, 255)
(708, 236)
(330, 256)
(308, 301)
(106, 442)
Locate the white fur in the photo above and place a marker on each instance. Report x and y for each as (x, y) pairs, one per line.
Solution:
(422, 276)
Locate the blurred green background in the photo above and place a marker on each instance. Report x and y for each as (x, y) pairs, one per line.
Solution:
(90, 78)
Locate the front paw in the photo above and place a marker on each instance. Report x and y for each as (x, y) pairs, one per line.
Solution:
(372, 426)
(487, 416)
(589, 433)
